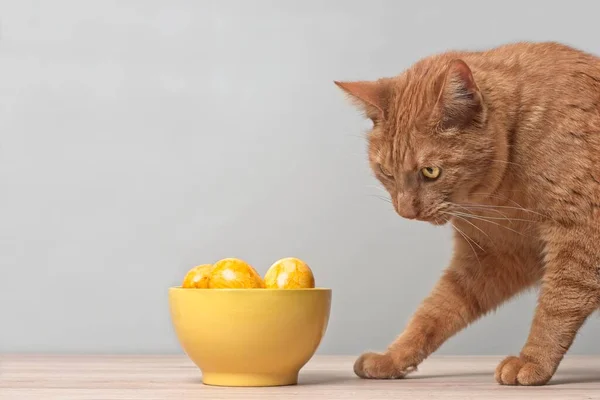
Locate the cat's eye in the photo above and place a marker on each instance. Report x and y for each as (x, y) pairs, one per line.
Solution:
(385, 172)
(431, 173)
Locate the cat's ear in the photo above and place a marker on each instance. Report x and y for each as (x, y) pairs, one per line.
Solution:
(369, 96)
(459, 101)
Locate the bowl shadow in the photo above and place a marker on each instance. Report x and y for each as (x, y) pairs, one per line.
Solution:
(324, 378)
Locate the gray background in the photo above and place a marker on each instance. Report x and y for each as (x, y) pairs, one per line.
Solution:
(139, 138)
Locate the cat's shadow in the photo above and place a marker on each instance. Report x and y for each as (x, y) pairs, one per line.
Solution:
(572, 380)
(320, 378)
(449, 375)
(315, 378)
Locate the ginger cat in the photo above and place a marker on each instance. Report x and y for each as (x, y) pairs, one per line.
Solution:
(503, 145)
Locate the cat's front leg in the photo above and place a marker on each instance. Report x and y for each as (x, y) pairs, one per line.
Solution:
(471, 286)
(570, 293)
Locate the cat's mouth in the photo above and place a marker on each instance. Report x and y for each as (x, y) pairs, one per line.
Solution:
(438, 216)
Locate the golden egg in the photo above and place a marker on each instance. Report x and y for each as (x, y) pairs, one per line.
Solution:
(234, 273)
(197, 277)
(289, 273)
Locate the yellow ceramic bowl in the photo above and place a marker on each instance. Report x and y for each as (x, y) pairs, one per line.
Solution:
(250, 337)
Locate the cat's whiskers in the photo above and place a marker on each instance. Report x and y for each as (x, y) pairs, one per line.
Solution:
(508, 199)
(468, 240)
(473, 225)
(519, 206)
(504, 216)
(384, 199)
(381, 189)
(480, 218)
(380, 197)
(469, 210)
(491, 206)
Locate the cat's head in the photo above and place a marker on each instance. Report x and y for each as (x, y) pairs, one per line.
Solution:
(430, 145)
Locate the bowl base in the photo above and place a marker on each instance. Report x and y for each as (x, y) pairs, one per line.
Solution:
(239, 379)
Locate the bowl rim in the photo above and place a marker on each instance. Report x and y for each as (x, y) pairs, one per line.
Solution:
(252, 290)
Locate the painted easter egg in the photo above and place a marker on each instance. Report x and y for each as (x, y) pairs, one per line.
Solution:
(289, 273)
(197, 277)
(233, 273)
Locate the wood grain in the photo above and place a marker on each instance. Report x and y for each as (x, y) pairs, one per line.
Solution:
(325, 377)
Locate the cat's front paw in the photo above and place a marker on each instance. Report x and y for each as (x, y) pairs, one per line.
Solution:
(517, 371)
(379, 366)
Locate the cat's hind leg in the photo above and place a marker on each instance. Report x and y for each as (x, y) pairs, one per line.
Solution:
(570, 293)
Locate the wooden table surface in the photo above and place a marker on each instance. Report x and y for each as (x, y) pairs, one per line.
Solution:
(325, 377)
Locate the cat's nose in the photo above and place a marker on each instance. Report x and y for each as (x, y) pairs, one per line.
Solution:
(406, 207)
